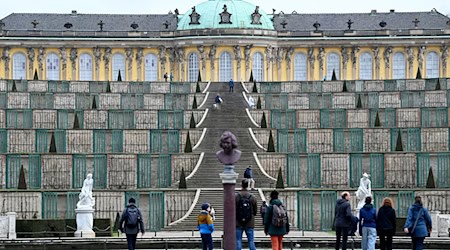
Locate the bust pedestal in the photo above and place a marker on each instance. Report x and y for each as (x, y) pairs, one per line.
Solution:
(229, 202)
(85, 222)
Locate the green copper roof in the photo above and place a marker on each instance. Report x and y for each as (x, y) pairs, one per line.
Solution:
(241, 17)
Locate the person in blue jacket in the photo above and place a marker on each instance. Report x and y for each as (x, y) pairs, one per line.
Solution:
(206, 227)
(423, 225)
(231, 84)
(367, 219)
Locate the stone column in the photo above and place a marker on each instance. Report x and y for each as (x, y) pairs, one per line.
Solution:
(238, 58)
(420, 59)
(311, 60)
(107, 59)
(139, 57)
(97, 58)
(129, 58)
(444, 56)
(229, 178)
(279, 60)
(376, 56)
(345, 59)
(31, 56)
(73, 60)
(7, 59)
(289, 52)
(212, 59)
(41, 59)
(269, 51)
(410, 53)
(12, 225)
(181, 64)
(354, 58)
(320, 58)
(162, 60)
(247, 51)
(387, 61)
(434, 220)
(202, 52)
(63, 56)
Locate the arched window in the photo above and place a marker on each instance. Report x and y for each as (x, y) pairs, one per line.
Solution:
(225, 67)
(118, 64)
(432, 65)
(398, 66)
(151, 67)
(193, 68)
(300, 67)
(19, 66)
(86, 71)
(258, 67)
(333, 63)
(52, 67)
(365, 66)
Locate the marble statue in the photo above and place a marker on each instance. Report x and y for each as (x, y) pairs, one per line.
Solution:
(364, 190)
(229, 154)
(86, 199)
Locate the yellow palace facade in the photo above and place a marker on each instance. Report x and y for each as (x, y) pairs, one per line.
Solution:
(225, 40)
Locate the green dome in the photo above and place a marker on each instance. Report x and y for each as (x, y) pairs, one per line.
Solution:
(241, 16)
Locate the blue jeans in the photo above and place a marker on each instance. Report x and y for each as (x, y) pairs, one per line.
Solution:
(418, 243)
(250, 238)
(369, 238)
(131, 241)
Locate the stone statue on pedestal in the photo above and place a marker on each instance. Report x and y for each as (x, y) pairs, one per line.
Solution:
(85, 210)
(229, 155)
(364, 190)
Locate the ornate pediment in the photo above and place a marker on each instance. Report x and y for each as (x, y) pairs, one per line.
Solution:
(225, 16)
(195, 17)
(256, 17)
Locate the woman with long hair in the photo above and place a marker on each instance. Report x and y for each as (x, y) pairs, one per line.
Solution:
(418, 223)
(386, 224)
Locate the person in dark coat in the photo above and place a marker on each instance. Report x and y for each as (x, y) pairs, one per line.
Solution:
(131, 230)
(423, 226)
(367, 225)
(231, 84)
(386, 224)
(247, 227)
(276, 233)
(343, 220)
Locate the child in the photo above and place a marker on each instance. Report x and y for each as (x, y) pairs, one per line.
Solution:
(205, 226)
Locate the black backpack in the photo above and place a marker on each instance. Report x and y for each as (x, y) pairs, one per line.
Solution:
(244, 209)
(133, 217)
(248, 173)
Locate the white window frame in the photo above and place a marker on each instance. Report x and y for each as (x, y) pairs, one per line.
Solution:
(118, 63)
(300, 67)
(193, 67)
(19, 65)
(398, 66)
(365, 66)
(333, 62)
(52, 66)
(258, 67)
(86, 67)
(225, 67)
(151, 68)
(432, 65)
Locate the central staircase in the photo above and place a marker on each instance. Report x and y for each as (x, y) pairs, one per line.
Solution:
(231, 116)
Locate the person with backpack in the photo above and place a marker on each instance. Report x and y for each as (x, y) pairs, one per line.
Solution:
(246, 210)
(276, 223)
(386, 224)
(418, 223)
(205, 225)
(262, 210)
(342, 220)
(131, 223)
(217, 101)
(248, 174)
(367, 225)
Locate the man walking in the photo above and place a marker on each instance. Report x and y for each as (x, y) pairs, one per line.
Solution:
(343, 220)
(132, 218)
(231, 84)
(248, 174)
(246, 210)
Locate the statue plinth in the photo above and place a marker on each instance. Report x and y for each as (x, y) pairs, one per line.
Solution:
(228, 176)
(85, 222)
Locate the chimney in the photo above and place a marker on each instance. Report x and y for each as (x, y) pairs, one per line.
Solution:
(74, 13)
(392, 11)
(373, 12)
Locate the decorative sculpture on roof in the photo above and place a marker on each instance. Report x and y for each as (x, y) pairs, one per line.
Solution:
(316, 25)
(34, 23)
(107, 57)
(256, 17)
(225, 16)
(420, 55)
(212, 55)
(63, 55)
(387, 57)
(289, 52)
(73, 57)
(6, 57)
(237, 55)
(311, 58)
(166, 24)
(444, 57)
(345, 57)
(41, 54)
(320, 57)
(31, 56)
(354, 56)
(101, 23)
(349, 24)
(195, 17)
(97, 58)
(284, 23)
(201, 50)
(247, 51)
(177, 12)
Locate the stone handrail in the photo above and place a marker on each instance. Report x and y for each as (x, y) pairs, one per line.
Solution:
(251, 118)
(261, 168)
(199, 162)
(200, 140)
(197, 196)
(207, 87)
(255, 140)
(244, 87)
(203, 118)
(204, 100)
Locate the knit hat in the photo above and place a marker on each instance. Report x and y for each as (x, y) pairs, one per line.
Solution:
(205, 206)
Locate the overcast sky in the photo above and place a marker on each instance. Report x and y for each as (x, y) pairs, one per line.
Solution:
(164, 6)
